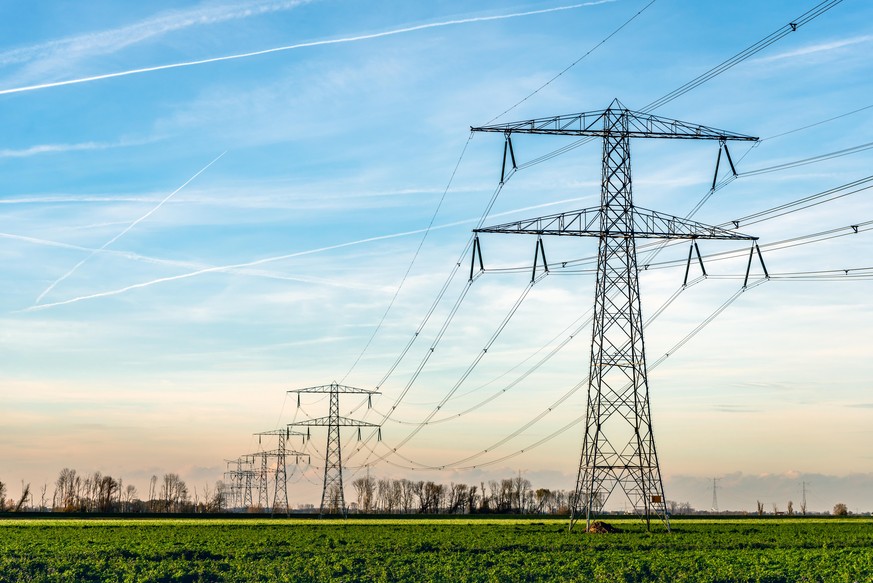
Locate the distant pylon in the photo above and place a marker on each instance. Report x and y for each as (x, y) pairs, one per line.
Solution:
(236, 477)
(332, 496)
(618, 448)
(263, 494)
(281, 453)
(715, 495)
(248, 473)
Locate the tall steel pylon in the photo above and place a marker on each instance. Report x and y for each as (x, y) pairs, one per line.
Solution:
(618, 448)
(248, 474)
(332, 497)
(715, 495)
(263, 491)
(281, 453)
(235, 476)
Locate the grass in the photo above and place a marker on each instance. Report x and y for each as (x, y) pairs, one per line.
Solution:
(447, 549)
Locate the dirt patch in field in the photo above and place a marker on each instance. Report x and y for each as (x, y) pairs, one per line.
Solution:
(600, 527)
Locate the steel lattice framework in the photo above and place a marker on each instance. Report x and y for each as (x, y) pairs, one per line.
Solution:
(332, 497)
(281, 453)
(618, 448)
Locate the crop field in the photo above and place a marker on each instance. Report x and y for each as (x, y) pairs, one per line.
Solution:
(432, 550)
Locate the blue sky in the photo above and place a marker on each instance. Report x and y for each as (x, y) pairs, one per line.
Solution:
(182, 245)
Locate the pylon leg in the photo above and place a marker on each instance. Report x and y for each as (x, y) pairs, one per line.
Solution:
(618, 449)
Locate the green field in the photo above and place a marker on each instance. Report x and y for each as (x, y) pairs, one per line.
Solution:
(432, 550)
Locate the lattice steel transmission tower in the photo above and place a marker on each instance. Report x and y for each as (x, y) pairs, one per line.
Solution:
(332, 497)
(248, 475)
(715, 495)
(281, 453)
(235, 477)
(618, 448)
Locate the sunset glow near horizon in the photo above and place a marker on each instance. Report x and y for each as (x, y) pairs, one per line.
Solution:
(207, 204)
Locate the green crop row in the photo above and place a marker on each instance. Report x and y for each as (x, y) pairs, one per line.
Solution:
(191, 550)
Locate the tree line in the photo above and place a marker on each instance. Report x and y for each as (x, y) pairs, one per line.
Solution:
(507, 496)
(96, 492)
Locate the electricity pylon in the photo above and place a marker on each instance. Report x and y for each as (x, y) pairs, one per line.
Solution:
(618, 448)
(715, 495)
(281, 453)
(235, 477)
(248, 474)
(332, 497)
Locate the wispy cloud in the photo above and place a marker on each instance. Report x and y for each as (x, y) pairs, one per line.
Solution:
(349, 39)
(110, 41)
(125, 230)
(267, 260)
(64, 148)
(216, 269)
(817, 48)
(131, 256)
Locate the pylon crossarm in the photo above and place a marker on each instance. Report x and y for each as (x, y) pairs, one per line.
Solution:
(645, 224)
(335, 388)
(333, 421)
(639, 125)
(281, 432)
(281, 452)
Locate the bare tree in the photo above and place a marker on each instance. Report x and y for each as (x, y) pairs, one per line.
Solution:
(174, 492)
(106, 488)
(129, 496)
(419, 492)
(760, 508)
(457, 498)
(42, 499)
(485, 503)
(790, 508)
(384, 499)
(408, 488)
(365, 487)
(25, 495)
(521, 493)
(841, 509)
(67, 490)
(434, 495)
(219, 498)
(472, 497)
(543, 497)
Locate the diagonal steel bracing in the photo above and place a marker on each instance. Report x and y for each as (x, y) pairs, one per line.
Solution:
(280, 474)
(332, 496)
(618, 446)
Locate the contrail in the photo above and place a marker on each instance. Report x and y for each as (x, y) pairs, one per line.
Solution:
(241, 266)
(125, 230)
(216, 269)
(349, 39)
(186, 264)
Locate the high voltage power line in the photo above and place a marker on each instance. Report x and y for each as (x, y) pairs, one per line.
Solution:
(864, 273)
(749, 51)
(456, 465)
(753, 49)
(830, 275)
(739, 57)
(746, 53)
